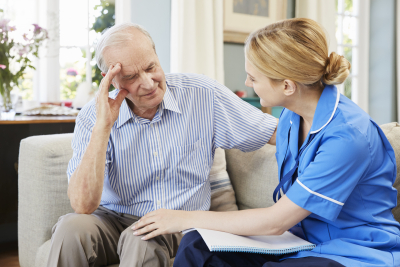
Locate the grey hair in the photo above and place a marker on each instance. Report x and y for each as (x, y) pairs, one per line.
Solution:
(117, 35)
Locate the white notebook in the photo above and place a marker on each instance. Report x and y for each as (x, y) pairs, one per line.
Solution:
(224, 242)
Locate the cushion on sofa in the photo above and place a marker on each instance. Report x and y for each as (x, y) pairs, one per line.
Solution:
(254, 176)
(392, 132)
(222, 194)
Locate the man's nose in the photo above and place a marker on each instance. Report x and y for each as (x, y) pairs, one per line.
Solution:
(147, 82)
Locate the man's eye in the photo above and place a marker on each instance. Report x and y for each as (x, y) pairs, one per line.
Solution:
(151, 68)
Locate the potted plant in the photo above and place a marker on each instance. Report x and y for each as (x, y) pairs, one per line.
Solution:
(16, 52)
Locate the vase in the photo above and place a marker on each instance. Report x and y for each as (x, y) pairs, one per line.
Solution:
(8, 101)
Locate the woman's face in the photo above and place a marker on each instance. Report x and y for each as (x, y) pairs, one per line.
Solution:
(270, 93)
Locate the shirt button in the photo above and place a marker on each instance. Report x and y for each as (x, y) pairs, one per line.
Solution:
(151, 125)
(155, 154)
(158, 203)
(158, 178)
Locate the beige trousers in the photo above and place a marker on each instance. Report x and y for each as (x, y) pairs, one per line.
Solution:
(104, 238)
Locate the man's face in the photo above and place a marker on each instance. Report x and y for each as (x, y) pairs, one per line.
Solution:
(141, 73)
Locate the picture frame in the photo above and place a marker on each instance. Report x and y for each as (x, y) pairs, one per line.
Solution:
(241, 17)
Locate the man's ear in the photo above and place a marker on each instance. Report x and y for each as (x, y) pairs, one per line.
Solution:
(290, 87)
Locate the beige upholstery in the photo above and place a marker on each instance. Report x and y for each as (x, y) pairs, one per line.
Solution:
(254, 176)
(42, 191)
(222, 194)
(392, 132)
(43, 186)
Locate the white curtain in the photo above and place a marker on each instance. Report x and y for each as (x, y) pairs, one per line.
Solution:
(197, 37)
(323, 12)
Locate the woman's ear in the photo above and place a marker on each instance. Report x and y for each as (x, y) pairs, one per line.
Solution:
(290, 87)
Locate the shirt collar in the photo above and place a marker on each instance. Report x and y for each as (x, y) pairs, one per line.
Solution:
(169, 102)
(125, 113)
(326, 108)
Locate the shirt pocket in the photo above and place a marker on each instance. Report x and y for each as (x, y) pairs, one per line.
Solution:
(189, 164)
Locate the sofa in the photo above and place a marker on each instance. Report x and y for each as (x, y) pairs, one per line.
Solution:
(43, 185)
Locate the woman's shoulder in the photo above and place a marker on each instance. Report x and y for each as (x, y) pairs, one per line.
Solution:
(351, 117)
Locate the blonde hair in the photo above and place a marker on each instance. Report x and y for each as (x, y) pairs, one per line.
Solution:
(295, 49)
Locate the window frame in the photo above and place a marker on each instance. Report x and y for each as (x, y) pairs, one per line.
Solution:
(360, 53)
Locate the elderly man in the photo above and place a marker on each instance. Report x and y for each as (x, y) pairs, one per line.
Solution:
(145, 146)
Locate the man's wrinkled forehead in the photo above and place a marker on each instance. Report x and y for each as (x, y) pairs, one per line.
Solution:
(129, 56)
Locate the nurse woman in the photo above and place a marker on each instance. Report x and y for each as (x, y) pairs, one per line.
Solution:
(336, 167)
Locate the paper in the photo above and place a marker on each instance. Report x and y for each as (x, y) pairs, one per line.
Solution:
(285, 243)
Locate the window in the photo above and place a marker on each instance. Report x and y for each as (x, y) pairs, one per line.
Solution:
(79, 29)
(352, 35)
(75, 27)
(346, 35)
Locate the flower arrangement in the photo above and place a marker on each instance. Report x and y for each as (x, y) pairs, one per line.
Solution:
(16, 52)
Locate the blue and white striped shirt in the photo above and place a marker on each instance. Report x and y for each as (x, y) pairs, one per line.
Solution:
(164, 163)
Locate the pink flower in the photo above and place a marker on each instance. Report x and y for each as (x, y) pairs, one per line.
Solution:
(37, 28)
(2, 66)
(72, 72)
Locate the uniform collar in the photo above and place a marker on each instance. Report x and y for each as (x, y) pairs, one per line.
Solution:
(326, 108)
(168, 102)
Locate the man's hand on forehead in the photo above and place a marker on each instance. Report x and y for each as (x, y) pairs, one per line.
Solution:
(107, 109)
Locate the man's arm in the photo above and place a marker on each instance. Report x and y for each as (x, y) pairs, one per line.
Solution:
(86, 183)
(238, 124)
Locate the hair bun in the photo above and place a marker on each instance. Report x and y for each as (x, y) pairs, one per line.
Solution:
(337, 69)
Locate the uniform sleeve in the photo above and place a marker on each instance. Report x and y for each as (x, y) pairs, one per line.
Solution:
(82, 133)
(342, 159)
(237, 124)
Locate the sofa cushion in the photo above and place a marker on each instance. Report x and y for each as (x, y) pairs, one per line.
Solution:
(254, 176)
(222, 194)
(392, 132)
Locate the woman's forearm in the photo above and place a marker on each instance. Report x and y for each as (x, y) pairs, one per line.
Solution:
(274, 220)
(244, 222)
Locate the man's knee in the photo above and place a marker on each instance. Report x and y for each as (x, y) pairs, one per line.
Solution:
(72, 225)
(127, 238)
(132, 248)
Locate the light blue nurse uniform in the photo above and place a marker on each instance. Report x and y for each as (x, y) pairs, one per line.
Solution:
(345, 172)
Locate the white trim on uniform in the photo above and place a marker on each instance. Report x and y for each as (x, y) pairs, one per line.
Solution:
(318, 194)
(333, 113)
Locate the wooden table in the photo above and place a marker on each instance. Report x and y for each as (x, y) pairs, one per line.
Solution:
(11, 134)
(39, 119)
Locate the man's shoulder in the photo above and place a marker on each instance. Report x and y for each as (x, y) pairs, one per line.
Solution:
(189, 80)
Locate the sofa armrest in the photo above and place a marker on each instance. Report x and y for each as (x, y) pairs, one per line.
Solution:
(42, 190)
